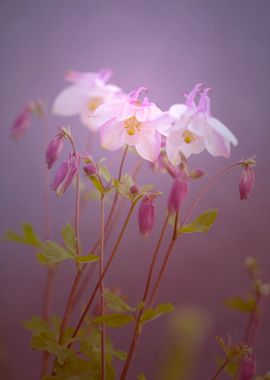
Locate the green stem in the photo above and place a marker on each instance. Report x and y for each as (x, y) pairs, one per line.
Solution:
(220, 369)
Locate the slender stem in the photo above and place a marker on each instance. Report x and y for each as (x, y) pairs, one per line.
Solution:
(220, 369)
(92, 297)
(137, 329)
(101, 260)
(252, 322)
(206, 188)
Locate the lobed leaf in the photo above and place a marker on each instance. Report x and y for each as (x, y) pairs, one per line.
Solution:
(28, 236)
(68, 236)
(114, 320)
(153, 313)
(55, 253)
(240, 304)
(116, 303)
(202, 223)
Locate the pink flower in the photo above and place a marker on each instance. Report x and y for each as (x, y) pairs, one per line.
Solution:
(247, 367)
(65, 174)
(130, 121)
(53, 151)
(21, 124)
(247, 181)
(87, 92)
(178, 194)
(194, 129)
(146, 215)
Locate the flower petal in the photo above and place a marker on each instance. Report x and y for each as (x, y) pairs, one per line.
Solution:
(177, 110)
(107, 111)
(147, 148)
(69, 102)
(222, 130)
(112, 135)
(173, 153)
(216, 144)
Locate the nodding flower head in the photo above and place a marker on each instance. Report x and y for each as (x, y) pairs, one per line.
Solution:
(146, 215)
(54, 150)
(65, 174)
(247, 367)
(90, 169)
(178, 194)
(21, 123)
(246, 183)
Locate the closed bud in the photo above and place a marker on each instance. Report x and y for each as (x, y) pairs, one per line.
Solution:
(197, 173)
(65, 174)
(21, 124)
(53, 151)
(134, 189)
(178, 194)
(90, 169)
(247, 181)
(247, 367)
(146, 215)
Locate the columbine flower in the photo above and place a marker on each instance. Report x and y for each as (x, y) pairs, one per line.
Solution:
(178, 194)
(247, 181)
(54, 149)
(194, 129)
(65, 174)
(146, 215)
(130, 121)
(21, 123)
(86, 93)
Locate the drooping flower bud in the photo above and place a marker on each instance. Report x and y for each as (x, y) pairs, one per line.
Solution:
(247, 367)
(134, 189)
(21, 124)
(178, 193)
(247, 181)
(197, 173)
(53, 151)
(65, 174)
(90, 169)
(146, 215)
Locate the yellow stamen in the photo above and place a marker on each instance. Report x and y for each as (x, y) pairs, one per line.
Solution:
(188, 136)
(94, 103)
(132, 125)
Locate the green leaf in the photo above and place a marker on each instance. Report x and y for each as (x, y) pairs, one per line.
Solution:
(36, 325)
(240, 304)
(97, 183)
(141, 377)
(68, 236)
(202, 223)
(87, 259)
(153, 313)
(105, 173)
(55, 253)
(114, 320)
(28, 237)
(116, 303)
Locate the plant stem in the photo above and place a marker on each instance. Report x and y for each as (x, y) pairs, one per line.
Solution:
(220, 369)
(92, 297)
(138, 328)
(101, 259)
(252, 322)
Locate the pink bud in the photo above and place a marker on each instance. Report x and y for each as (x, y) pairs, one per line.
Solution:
(65, 174)
(90, 169)
(53, 151)
(21, 124)
(247, 367)
(178, 193)
(134, 189)
(146, 215)
(197, 173)
(246, 182)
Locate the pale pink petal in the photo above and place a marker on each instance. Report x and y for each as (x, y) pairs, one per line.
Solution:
(173, 153)
(107, 111)
(222, 130)
(197, 124)
(194, 147)
(177, 110)
(112, 135)
(216, 144)
(149, 149)
(80, 77)
(69, 102)
(132, 139)
(175, 136)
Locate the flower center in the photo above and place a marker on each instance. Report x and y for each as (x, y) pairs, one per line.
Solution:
(94, 103)
(132, 125)
(188, 136)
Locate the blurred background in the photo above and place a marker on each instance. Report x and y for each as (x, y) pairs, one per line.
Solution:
(167, 46)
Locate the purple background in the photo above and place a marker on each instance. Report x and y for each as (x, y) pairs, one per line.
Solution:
(167, 47)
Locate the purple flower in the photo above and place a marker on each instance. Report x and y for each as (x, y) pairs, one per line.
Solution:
(247, 367)
(178, 194)
(247, 181)
(146, 215)
(90, 169)
(54, 149)
(21, 124)
(65, 174)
